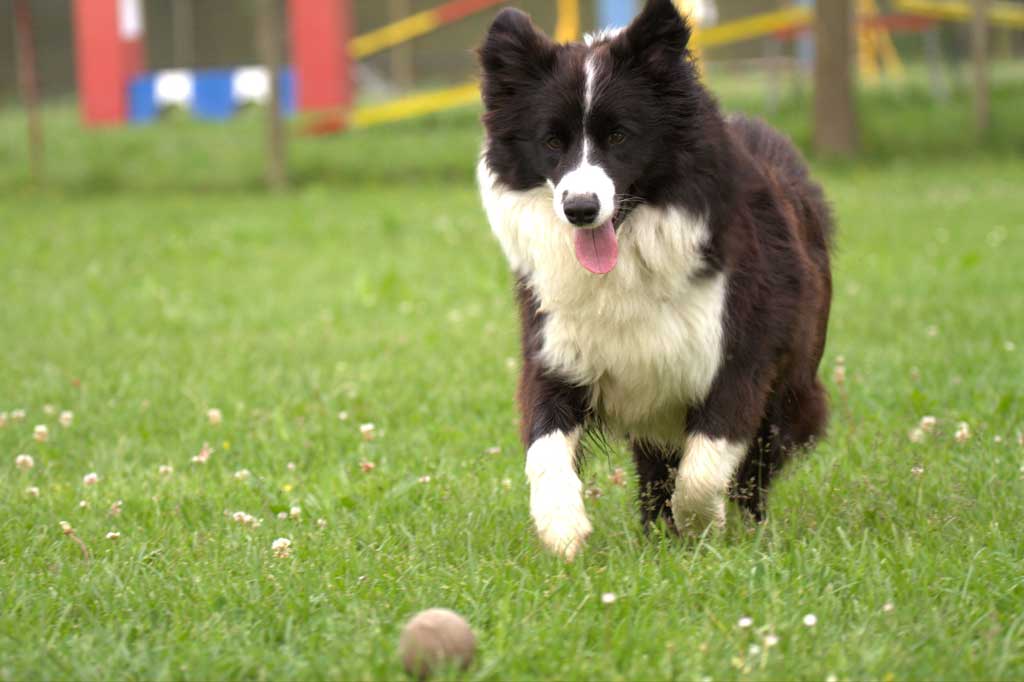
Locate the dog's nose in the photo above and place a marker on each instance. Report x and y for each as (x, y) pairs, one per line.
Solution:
(581, 209)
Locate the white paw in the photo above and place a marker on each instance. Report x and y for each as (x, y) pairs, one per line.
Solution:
(557, 511)
(693, 517)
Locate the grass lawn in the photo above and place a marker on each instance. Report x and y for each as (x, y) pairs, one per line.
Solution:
(152, 280)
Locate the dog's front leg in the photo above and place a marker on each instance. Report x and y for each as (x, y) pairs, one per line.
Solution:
(553, 413)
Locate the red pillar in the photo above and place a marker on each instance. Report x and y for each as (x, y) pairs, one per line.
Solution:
(109, 52)
(320, 31)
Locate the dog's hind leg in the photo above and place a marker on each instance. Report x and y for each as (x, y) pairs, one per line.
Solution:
(655, 467)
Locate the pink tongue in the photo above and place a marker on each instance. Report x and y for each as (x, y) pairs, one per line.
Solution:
(598, 249)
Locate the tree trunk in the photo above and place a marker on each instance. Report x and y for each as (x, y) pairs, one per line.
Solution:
(979, 59)
(269, 26)
(28, 83)
(835, 115)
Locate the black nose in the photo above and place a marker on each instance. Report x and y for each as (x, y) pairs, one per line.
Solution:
(581, 209)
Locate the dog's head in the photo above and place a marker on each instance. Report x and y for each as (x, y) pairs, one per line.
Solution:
(603, 124)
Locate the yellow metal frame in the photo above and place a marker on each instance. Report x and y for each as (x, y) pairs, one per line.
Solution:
(1010, 15)
(567, 28)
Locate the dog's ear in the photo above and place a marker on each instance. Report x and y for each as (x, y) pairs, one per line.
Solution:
(514, 56)
(656, 38)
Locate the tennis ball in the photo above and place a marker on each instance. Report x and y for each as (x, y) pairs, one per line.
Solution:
(433, 639)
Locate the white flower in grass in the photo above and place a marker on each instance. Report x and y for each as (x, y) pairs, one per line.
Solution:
(917, 470)
(204, 454)
(66, 528)
(90, 479)
(916, 435)
(367, 466)
(282, 515)
(244, 519)
(32, 491)
(888, 607)
(963, 432)
(295, 513)
(66, 418)
(321, 523)
(24, 462)
(745, 622)
(831, 678)
(368, 430)
(928, 423)
(343, 416)
(506, 483)
(83, 504)
(290, 466)
(115, 509)
(282, 548)
(18, 415)
(997, 439)
(932, 331)
(608, 598)
(771, 640)
(41, 433)
(810, 620)
(493, 450)
(243, 475)
(214, 416)
(839, 375)
(113, 535)
(424, 479)
(49, 409)
(3, 419)
(618, 477)
(754, 650)
(166, 470)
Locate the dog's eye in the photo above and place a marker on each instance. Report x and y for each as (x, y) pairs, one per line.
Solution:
(553, 143)
(618, 137)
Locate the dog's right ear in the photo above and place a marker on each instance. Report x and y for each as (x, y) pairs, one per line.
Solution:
(514, 55)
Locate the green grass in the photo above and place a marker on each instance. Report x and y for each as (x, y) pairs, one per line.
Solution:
(152, 279)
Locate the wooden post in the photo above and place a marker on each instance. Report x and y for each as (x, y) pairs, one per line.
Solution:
(28, 83)
(183, 30)
(269, 25)
(835, 114)
(402, 72)
(979, 59)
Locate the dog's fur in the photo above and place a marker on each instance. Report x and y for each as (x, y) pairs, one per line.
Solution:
(702, 344)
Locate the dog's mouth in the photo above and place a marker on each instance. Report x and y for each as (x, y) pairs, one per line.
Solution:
(597, 248)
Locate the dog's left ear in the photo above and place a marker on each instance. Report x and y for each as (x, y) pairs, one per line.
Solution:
(657, 37)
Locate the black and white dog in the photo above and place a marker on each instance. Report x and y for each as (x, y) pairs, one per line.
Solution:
(672, 265)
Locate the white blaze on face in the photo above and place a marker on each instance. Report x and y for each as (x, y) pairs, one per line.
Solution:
(587, 179)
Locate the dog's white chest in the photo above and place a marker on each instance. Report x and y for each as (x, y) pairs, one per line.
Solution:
(648, 336)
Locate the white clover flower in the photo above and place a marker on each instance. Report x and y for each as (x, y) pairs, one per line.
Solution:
(917, 470)
(18, 415)
(83, 504)
(66, 418)
(32, 491)
(282, 515)
(290, 466)
(24, 462)
(745, 622)
(963, 432)
(214, 416)
(493, 450)
(41, 433)
(113, 535)
(243, 475)
(771, 640)
(66, 528)
(321, 523)
(282, 548)
(368, 430)
(115, 508)
(49, 409)
(506, 483)
(608, 598)
(888, 607)
(928, 423)
(839, 375)
(92, 478)
(166, 470)
(754, 650)
(343, 416)
(3, 419)
(810, 620)
(295, 512)
(424, 479)
(244, 519)
(204, 454)
(366, 466)
(916, 435)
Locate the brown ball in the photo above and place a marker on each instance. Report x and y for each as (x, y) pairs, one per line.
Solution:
(433, 639)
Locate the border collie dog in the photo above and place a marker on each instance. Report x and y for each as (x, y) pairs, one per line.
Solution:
(672, 271)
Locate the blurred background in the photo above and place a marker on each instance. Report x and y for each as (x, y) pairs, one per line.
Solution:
(844, 78)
